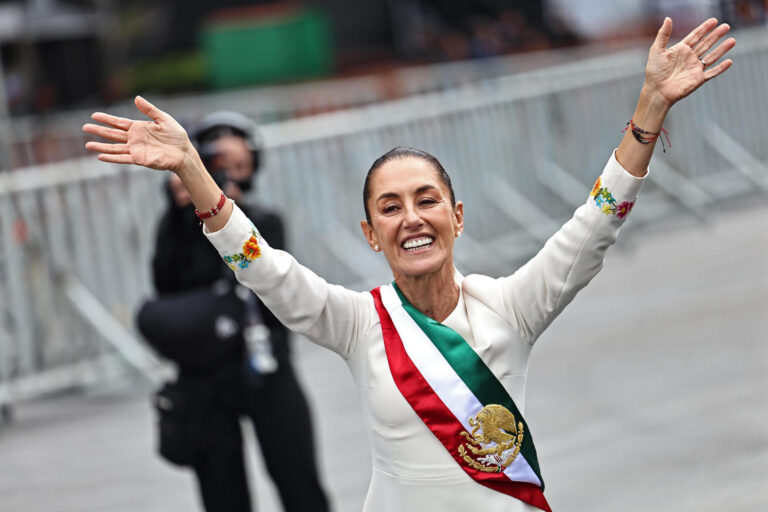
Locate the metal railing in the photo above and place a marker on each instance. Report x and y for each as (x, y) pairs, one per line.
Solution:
(76, 238)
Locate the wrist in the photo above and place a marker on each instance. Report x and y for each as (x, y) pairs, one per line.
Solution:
(651, 110)
(190, 162)
(652, 101)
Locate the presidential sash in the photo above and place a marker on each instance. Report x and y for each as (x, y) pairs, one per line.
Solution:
(459, 399)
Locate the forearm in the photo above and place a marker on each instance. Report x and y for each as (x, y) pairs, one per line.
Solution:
(535, 294)
(203, 190)
(329, 315)
(649, 115)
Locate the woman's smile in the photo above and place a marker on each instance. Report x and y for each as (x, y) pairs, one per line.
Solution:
(417, 243)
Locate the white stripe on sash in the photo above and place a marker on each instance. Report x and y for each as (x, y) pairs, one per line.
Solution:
(443, 379)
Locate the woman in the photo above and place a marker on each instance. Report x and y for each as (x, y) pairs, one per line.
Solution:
(440, 359)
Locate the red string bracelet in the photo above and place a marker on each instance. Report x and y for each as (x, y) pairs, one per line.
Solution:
(646, 137)
(213, 211)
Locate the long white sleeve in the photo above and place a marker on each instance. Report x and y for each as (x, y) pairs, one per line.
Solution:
(329, 315)
(535, 294)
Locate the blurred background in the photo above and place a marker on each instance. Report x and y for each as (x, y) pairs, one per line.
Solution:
(664, 403)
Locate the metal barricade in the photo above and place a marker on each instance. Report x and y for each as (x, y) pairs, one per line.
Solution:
(71, 271)
(523, 151)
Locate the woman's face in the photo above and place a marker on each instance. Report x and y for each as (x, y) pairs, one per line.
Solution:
(412, 219)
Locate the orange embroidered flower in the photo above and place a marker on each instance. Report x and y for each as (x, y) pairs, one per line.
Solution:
(596, 188)
(251, 249)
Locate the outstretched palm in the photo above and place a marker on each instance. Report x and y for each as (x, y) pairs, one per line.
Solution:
(676, 72)
(160, 144)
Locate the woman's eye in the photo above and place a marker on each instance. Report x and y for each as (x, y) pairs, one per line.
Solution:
(390, 208)
(427, 202)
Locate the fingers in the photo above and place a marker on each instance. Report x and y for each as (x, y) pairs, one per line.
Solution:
(712, 72)
(718, 52)
(106, 132)
(114, 121)
(116, 159)
(699, 32)
(662, 37)
(149, 109)
(711, 38)
(104, 147)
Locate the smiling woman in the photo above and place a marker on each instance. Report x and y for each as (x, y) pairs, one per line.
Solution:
(440, 359)
(413, 218)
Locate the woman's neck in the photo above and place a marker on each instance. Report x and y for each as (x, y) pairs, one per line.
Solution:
(435, 295)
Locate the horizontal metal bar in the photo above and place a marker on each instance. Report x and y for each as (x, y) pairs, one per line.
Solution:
(81, 373)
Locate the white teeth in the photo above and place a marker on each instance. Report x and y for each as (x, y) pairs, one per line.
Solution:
(418, 242)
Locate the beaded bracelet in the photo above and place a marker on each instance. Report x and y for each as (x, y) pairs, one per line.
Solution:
(213, 211)
(646, 137)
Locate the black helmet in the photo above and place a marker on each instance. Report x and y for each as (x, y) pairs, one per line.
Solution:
(222, 123)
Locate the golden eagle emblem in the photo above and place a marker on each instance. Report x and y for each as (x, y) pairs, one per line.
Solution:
(495, 439)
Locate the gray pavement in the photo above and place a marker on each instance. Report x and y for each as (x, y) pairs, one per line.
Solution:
(649, 393)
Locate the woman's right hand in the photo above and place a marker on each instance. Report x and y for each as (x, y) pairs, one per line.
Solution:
(159, 144)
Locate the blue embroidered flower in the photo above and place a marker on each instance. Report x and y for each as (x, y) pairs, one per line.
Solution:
(607, 203)
(607, 196)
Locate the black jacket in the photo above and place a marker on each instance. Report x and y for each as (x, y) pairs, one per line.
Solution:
(180, 323)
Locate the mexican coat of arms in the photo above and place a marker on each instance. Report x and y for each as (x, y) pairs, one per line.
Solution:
(495, 440)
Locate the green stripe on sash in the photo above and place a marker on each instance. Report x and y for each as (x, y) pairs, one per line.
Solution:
(472, 370)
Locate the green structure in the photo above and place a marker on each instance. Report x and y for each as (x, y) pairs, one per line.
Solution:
(276, 46)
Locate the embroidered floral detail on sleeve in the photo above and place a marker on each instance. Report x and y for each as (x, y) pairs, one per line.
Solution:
(604, 197)
(623, 209)
(596, 188)
(250, 252)
(607, 203)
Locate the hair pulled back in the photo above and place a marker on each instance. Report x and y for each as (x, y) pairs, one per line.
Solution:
(397, 153)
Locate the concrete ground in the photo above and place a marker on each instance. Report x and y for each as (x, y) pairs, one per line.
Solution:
(649, 393)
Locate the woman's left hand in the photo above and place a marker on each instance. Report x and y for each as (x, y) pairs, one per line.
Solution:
(673, 73)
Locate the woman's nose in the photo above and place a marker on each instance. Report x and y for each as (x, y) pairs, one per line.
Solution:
(412, 218)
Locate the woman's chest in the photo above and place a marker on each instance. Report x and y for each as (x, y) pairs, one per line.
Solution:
(489, 336)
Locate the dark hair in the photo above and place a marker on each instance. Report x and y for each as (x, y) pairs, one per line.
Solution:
(396, 154)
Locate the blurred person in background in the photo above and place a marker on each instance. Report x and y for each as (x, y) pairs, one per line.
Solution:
(440, 359)
(232, 353)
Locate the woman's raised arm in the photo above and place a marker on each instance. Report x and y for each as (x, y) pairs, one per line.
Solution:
(302, 301)
(158, 144)
(534, 295)
(671, 74)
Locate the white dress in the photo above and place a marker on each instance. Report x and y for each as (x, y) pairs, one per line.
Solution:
(500, 318)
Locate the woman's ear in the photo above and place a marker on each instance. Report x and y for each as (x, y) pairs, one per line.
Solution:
(458, 211)
(369, 235)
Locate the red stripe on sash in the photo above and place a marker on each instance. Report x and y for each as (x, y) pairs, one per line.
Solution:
(436, 415)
